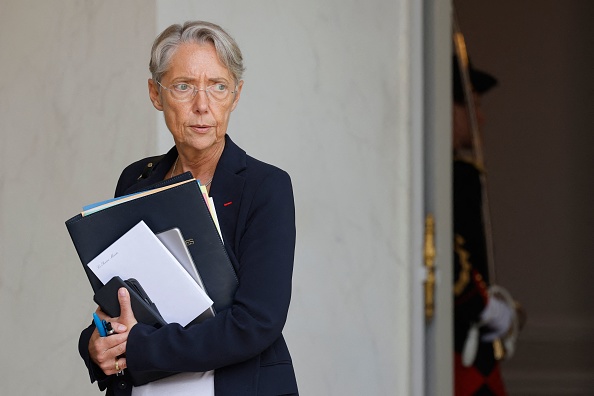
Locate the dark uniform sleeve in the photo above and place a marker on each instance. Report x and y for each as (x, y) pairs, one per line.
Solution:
(470, 259)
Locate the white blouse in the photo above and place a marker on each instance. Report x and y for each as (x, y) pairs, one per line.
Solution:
(183, 384)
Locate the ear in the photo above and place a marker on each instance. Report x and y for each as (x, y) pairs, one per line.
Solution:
(237, 95)
(154, 94)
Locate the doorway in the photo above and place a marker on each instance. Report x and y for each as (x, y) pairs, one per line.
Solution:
(538, 142)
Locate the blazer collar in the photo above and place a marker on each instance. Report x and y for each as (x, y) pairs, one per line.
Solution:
(232, 162)
(233, 159)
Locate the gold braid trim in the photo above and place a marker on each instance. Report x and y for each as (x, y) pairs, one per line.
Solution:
(464, 276)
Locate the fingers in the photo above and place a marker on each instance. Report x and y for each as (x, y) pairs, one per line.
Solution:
(117, 327)
(109, 352)
(120, 364)
(114, 365)
(100, 346)
(106, 358)
(126, 315)
(117, 350)
(104, 349)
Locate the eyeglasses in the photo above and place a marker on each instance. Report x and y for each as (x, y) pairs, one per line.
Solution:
(184, 92)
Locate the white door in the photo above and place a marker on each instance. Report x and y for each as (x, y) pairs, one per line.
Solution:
(433, 340)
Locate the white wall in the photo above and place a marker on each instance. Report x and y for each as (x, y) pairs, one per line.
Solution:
(326, 97)
(73, 112)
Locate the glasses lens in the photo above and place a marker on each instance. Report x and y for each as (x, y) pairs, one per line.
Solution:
(218, 91)
(182, 91)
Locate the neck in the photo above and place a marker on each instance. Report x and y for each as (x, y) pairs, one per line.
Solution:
(202, 165)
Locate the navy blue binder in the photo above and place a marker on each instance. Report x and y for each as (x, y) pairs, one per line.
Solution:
(181, 206)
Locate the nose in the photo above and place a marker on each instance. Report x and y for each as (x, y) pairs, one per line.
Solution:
(201, 101)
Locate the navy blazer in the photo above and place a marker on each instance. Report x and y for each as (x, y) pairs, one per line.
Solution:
(243, 344)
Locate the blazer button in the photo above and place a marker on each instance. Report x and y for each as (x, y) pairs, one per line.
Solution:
(122, 384)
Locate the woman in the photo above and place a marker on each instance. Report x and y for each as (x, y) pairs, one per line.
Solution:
(196, 82)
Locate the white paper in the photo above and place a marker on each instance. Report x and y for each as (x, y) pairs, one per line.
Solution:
(183, 384)
(140, 255)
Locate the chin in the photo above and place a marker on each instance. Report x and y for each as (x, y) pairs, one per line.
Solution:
(202, 143)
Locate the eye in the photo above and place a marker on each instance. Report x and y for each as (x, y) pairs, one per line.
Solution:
(219, 87)
(182, 87)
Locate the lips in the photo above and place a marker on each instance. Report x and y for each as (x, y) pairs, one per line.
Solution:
(200, 128)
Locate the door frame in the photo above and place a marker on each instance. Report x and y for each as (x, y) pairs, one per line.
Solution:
(430, 62)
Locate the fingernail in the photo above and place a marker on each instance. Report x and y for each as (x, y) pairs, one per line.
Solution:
(122, 291)
(121, 328)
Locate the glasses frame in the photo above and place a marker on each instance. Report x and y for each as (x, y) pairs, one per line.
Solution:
(195, 91)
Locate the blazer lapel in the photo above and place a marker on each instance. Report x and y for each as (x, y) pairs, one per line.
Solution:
(227, 189)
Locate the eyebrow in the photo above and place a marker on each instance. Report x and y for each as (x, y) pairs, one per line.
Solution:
(192, 80)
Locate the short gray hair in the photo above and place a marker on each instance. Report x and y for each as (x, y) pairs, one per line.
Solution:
(198, 32)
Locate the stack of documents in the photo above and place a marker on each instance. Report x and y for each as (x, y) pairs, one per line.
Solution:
(134, 237)
(175, 203)
(139, 254)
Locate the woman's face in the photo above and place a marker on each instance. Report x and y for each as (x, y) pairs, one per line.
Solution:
(200, 123)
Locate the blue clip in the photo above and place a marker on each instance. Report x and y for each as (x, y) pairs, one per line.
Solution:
(100, 325)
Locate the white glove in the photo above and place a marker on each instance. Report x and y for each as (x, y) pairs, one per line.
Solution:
(496, 319)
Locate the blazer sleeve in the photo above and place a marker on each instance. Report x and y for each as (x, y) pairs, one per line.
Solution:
(95, 372)
(264, 252)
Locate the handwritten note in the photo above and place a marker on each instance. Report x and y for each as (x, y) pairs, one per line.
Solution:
(140, 255)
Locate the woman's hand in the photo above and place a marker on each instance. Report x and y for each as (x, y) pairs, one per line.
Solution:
(109, 352)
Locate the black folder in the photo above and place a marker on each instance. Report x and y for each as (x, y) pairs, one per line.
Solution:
(181, 206)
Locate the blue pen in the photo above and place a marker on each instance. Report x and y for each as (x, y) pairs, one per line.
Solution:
(99, 325)
(105, 329)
